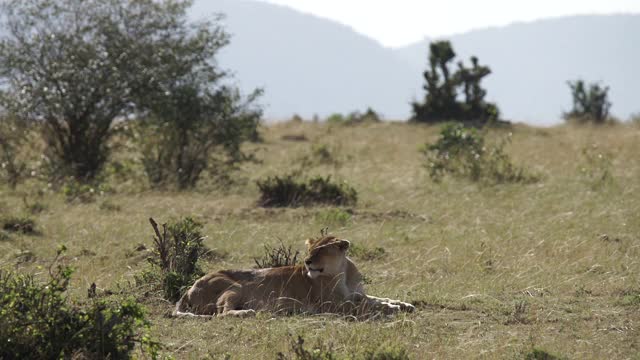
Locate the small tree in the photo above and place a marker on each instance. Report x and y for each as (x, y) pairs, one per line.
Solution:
(590, 102)
(444, 87)
(193, 127)
(77, 65)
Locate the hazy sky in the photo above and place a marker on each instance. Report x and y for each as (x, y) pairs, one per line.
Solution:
(400, 22)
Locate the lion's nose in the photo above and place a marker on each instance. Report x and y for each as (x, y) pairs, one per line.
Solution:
(308, 261)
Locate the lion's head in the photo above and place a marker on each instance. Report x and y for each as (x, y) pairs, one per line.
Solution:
(326, 256)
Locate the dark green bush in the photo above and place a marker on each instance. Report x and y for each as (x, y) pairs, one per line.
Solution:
(176, 252)
(462, 152)
(19, 224)
(590, 103)
(540, 354)
(37, 321)
(193, 131)
(443, 88)
(291, 191)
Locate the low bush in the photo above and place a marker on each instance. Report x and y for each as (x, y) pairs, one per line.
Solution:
(590, 103)
(462, 152)
(19, 224)
(277, 256)
(291, 191)
(540, 354)
(175, 256)
(37, 321)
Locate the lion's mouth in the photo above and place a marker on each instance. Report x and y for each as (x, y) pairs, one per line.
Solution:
(318, 270)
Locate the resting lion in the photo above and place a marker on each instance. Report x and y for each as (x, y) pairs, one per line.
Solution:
(327, 282)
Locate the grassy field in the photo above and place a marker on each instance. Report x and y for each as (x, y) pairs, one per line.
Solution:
(495, 271)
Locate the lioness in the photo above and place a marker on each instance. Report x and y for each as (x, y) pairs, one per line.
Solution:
(327, 282)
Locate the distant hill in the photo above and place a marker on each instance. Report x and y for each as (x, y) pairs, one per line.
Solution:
(310, 65)
(531, 62)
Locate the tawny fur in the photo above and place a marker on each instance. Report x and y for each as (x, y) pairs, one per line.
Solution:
(328, 282)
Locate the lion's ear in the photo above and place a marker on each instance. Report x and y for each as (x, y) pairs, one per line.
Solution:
(343, 244)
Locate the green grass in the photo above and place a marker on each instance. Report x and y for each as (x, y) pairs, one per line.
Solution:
(495, 271)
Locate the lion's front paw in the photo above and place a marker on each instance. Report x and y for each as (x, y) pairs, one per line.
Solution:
(391, 309)
(406, 307)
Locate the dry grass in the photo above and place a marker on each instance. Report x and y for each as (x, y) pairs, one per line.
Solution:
(494, 270)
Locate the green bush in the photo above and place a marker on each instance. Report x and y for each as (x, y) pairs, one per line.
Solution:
(37, 321)
(18, 224)
(590, 103)
(540, 354)
(462, 152)
(290, 191)
(194, 131)
(444, 87)
(176, 252)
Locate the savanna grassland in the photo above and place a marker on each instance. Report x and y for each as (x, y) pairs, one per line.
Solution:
(495, 270)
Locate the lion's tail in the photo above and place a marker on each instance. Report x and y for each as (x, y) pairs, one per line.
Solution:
(182, 308)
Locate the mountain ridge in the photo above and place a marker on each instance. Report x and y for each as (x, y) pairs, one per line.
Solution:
(311, 65)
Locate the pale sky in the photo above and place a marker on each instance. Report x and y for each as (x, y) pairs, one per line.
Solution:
(401, 22)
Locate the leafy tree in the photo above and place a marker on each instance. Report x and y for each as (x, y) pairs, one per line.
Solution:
(444, 88)
(78, 65)
(193, 127)
(590, 102)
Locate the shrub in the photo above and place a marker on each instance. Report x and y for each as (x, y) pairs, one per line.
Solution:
(176, 252)
(540, 354)
(19, 224)
(289, 191)
(277, 256)
(194, 129)
(38, 321)
(462, 152)
(444, 87)
(590, 105)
